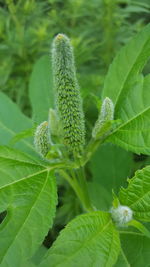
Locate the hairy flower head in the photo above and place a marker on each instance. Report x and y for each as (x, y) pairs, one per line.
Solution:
(42, 139)
(103, 123)
(121, 215)
(68, 99)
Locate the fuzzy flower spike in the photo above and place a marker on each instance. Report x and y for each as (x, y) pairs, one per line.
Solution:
(68, 99)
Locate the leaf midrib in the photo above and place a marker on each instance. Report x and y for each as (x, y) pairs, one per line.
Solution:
(129, 73)
(26, 177)
(129, 121)
(84, 244)
(36, 199)
(14, 133)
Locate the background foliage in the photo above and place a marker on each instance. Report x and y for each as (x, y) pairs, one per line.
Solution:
(98, 29)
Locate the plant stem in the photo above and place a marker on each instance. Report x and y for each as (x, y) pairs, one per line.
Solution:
(83, 185)
(80, 187)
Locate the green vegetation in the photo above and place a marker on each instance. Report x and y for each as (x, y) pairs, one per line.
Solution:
(74, 133)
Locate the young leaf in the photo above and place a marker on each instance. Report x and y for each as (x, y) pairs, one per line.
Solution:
(137, 195)
(129, 92)
(40, 89)
(89, 240)
(12, 121)
(28, 195)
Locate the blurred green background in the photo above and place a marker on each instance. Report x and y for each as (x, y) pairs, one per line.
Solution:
(97, 28)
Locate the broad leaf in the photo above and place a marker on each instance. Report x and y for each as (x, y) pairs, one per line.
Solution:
(135, 249)
(130, 93)
(12, 121)
(133, 134)
(89, 240)
(122, 261)
(28, 195)
(41, 89)
(128, 62)
(137, 194)
(110, 166)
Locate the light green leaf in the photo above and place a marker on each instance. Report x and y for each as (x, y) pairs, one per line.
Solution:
(22, 135)
(133, 134)
(129, 91)
(12, 121)
(41, 89)
(137, 194)
(89, 240)
(28, 194)
(128, 63)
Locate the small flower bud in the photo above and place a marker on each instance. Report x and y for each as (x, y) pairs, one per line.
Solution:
(103, 124)
(41, 139)
(107, 110)
(68, 99)
(121, 215)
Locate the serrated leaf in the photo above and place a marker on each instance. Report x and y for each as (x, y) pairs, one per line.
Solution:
(12, 121)
(89, 240)
(28, 194)
(133, 134)
(129, 91)
(41, 89)
(137, 194)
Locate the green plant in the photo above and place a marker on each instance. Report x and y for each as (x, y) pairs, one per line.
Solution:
(105, 235)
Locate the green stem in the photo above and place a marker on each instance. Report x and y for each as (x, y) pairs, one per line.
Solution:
(83, 185)
(80, 189)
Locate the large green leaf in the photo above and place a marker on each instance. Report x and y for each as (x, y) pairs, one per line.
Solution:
(129, 91)
(28, 194)
(89, 240)
(12, 121)
(133, 134)
(137, 194)
(128, 62)
(41, 89)
(110, 166)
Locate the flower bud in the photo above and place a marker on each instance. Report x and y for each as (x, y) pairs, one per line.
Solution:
(103, 124)
(68, 99)
(42, 139)
(121, 215)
